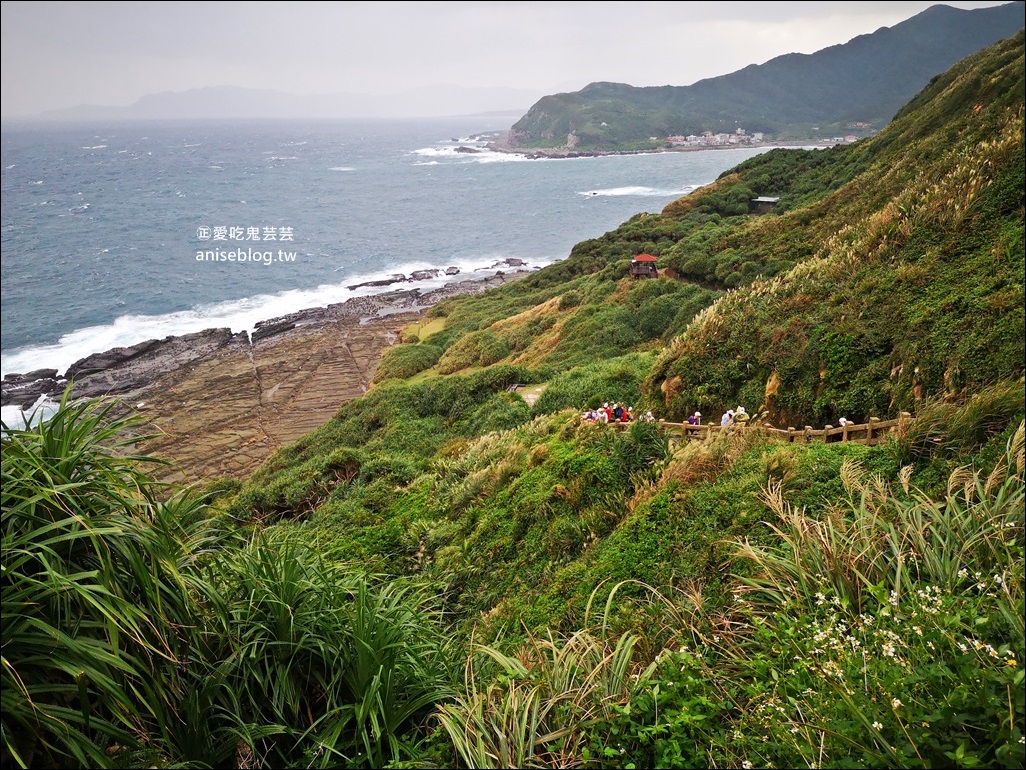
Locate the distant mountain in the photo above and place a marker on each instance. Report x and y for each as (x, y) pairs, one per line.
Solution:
(219, 102)
(856, 88)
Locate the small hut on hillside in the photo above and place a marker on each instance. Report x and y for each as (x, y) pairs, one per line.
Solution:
(762, 205)
(644, 266)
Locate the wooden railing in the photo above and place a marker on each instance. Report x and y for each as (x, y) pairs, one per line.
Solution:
(875, 431)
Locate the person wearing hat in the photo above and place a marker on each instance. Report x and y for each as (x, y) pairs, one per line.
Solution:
(741, 417)
(695, 419)
(727, 418)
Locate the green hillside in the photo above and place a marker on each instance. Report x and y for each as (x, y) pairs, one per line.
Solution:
(444, 575)
(852, 88)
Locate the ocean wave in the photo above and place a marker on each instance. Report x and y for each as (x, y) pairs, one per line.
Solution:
(490, 156)
(95, 147)
(341, 168)
(479, 154)
(238, 315)
(640, 191)
(442, 152)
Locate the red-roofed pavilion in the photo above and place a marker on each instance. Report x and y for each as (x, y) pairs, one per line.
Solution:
(644, 266)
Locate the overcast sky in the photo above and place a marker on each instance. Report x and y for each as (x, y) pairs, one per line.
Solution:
(63, 54)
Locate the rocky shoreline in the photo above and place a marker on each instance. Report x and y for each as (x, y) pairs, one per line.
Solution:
(126, 369)
(217, 403)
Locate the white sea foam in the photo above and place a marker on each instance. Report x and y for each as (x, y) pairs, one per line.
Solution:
(16, 418)
(238, 315)
(341, 168)
(639, 190)
(490, 156)
(480, 154)
(95, 147)
(447, 151)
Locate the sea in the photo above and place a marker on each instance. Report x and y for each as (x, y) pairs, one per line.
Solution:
(121, 233)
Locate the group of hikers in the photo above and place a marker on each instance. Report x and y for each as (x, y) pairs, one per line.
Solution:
(615, 413)
(623, 413)
(620, 413)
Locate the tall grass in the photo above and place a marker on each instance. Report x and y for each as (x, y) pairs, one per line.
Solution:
(885, 631)
(536, 707)
(948, 428)
(883, 539)
(97, 609)
(323, 665)
(138, 632)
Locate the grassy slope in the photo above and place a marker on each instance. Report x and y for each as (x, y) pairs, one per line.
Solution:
(813, 606)
(902, 258)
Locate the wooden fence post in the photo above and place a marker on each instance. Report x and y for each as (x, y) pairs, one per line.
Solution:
(869, 429)
(790, 435)
(904, 418)
(808, 434)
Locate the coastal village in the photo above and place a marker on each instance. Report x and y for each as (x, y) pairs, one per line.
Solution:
(741, 137)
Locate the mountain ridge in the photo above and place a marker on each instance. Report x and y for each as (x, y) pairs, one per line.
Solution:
(235, 102)
(793, 96)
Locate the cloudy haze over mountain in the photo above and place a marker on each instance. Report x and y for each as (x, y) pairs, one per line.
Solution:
(58, 55)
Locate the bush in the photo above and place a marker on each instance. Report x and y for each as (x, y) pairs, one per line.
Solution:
(480, 348)
(404, 361)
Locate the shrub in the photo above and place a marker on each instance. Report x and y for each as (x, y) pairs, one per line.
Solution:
(480, 348)
(404, 361)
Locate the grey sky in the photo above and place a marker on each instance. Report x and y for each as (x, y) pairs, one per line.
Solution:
(62, 54)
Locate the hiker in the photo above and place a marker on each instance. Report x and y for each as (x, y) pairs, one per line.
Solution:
(843, 421)
(695, 419)
(741, 417)
(727, 419)
(628, 414)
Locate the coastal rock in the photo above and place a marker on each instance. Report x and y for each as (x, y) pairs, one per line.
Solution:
(453, 270)
(99, 362)
(423, 275)
(462, 148)
(268, 329)
(40, 374)
(25, 389)
(383, 282)
(509, 262)
(124, 370)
